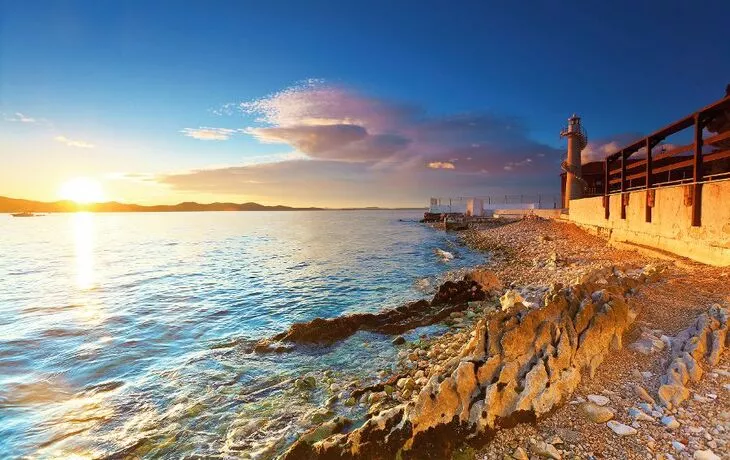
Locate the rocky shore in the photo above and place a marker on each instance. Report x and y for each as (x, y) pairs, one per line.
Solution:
(535, 364)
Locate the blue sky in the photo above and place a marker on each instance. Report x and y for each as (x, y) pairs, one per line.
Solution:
(111, 87)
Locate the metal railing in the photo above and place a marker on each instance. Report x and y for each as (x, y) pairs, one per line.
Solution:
(680, 164)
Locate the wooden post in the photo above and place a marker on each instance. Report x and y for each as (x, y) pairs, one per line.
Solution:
(649, 181)
(623, 184)
(698, 173)
(606, 189)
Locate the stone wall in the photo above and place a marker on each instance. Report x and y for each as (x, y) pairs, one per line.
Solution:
(671, 226)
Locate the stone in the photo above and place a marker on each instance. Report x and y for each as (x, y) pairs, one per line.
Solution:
(705, 455)
(643, 394)
(520, 454)
(678, 446)
(598, 399)
(672, 395)
(545, 450)
(670, 422)
(388, 389)
(596, 413)
(509, 299)
(400, 340)
(621, 429)
(640, 415)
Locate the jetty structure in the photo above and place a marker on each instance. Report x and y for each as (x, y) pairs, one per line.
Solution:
(666, 191)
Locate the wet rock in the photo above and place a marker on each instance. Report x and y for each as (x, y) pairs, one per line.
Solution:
(596, 413)
(400, 340)
(621, 429)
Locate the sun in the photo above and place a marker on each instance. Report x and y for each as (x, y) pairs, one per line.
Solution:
(82, 190)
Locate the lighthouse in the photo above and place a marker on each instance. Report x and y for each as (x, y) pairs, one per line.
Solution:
(577, 140)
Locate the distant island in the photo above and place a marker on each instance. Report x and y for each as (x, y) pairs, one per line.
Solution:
(8, 205)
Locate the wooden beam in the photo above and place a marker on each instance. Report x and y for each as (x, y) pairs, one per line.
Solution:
(699, 175)
(716, 156)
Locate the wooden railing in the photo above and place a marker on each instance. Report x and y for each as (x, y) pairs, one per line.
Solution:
(656, 170)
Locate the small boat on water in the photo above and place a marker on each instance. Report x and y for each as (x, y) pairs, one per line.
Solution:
(26, 214)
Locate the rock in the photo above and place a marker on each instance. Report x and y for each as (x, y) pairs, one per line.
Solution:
(670, 422)
(350, 401)
(640, 415)
(520, 454)
(621, 429)
(388, 389)
(596, 413)
(307, 383)
(554, 440)
(678, 446)
(598, 399)
(400, 340)
(672, 395)
(705, 455)
(509, 299)
(486, 279)
(643, 394)
(543, 449)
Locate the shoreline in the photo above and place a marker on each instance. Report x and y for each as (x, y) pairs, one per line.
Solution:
(534, 256)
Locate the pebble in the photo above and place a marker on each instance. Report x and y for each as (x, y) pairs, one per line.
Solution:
(598, 399)
(520, 454)
(670, 422)
(640, 415)
(643, 394)
(621, 429)
(678, 446)
(705, 455)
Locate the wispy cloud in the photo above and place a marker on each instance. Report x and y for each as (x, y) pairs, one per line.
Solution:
(19, 118)
(73, 142)
(209, 134)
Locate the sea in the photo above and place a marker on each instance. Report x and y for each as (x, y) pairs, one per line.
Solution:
(128, 335)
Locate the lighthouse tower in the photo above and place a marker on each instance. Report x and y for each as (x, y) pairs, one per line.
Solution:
(577, 140)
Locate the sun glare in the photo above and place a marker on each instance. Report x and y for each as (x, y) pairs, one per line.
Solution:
(82, 190)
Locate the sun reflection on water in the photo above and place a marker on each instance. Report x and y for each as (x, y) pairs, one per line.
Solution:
(83, 230)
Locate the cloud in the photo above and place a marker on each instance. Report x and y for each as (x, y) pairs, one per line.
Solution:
(352, 145)
(20, 118)
(209, 134)
(598, 150)
(441, 165)
(73, 142)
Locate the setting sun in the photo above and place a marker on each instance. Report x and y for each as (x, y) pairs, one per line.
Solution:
(82, 190)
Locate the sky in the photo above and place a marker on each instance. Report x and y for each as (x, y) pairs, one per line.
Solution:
(332, 103)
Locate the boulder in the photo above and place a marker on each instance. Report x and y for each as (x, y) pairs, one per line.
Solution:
(596, 413)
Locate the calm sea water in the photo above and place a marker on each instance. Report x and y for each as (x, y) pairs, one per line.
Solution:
(126, 334)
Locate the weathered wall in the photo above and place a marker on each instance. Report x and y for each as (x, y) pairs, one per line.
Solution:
(671, 226)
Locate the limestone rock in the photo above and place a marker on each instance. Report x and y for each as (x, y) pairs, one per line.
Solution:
(509, 299)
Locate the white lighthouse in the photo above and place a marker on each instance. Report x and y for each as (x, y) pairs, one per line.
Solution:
(577, 140)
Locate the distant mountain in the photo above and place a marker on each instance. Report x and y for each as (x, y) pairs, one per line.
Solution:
(19, 205)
